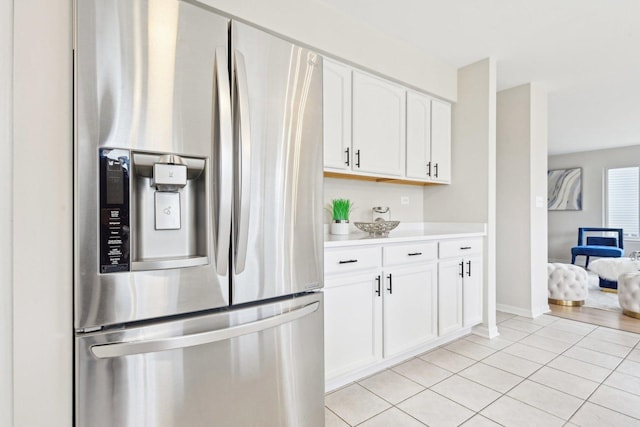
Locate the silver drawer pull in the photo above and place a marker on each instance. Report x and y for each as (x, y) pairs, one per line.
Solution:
(348, 261)
(464, 248)
(415, 253)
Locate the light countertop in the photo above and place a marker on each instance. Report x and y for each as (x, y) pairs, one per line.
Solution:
(408, 232)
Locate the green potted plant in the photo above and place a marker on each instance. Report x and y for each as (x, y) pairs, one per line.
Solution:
(340, 210)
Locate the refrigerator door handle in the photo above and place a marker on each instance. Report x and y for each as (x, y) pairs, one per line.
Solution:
(224, 179)
(243, 164)
(107, 351)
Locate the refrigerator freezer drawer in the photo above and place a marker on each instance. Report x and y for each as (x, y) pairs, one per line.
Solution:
(250, 366)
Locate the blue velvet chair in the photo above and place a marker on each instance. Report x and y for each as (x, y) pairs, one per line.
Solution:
(598, 246)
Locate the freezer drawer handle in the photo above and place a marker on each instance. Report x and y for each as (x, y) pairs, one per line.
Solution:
(106, 351)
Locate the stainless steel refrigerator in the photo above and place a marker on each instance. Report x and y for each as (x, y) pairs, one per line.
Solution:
(198, 220)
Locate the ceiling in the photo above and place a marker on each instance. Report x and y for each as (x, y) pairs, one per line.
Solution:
(585, 53)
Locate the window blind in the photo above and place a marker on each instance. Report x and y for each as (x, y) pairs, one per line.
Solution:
(623, 200)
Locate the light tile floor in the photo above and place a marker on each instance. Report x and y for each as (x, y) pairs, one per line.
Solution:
(546, 371)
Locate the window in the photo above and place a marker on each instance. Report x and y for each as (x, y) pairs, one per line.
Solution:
(623, 200)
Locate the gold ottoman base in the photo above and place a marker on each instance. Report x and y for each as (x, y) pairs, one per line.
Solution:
(565, 302)
(631, 314)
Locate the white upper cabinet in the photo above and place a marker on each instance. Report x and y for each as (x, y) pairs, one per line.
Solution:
(378, 126)
(440, 141)
(418, 136)
(428, 138)
(337, 116)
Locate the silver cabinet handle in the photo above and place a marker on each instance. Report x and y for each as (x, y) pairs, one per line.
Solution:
(224, 141)
(107, 351)
(243, 163)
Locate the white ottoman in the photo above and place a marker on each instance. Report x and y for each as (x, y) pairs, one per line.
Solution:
(567, 284)
(629, 294)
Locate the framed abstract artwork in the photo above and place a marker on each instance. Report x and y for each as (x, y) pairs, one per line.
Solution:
(564, 189)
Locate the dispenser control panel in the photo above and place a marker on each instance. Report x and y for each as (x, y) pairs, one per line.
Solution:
(114, 210)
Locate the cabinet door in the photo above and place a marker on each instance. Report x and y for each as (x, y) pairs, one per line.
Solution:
(418, 136)
(352, 322)
(449, 296)
(336, 91)
(472, 291)
(378, 126)
(440, 141)
(410, 307)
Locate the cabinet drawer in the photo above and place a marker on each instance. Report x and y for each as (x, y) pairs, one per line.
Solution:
(460, 247)
(342, 260)
(409, 253)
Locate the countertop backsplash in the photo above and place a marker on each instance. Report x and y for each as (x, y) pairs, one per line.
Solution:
(365, 195)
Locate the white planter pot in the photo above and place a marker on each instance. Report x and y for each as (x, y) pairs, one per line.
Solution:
(340, 227)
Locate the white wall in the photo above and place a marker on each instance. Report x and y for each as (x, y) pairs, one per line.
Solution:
(521, 224)
(563, 225)
(42, 188)
(366, 194)
(6, 214)
(327, 30)
(538, 231)
(472, 193)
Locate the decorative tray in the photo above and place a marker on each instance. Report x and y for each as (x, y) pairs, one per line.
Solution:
(378, 228)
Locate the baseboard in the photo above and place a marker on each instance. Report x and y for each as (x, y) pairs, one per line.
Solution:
(519, 311)
(531, 314)
(539, 311)
(485, 332)
(560, 261)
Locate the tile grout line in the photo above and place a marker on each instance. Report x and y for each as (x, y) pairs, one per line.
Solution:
(556, 322)
(548, 386)
(603, 383)
(599, 384)
(341, 419)
(538, 369)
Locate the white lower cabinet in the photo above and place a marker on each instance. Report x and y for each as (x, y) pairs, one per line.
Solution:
(410, 308)
(459, 284)
(472, 292)
(383, 302)
(352, 323)
(449, 296)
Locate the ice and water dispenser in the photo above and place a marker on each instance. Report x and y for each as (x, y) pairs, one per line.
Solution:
(153, 211)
